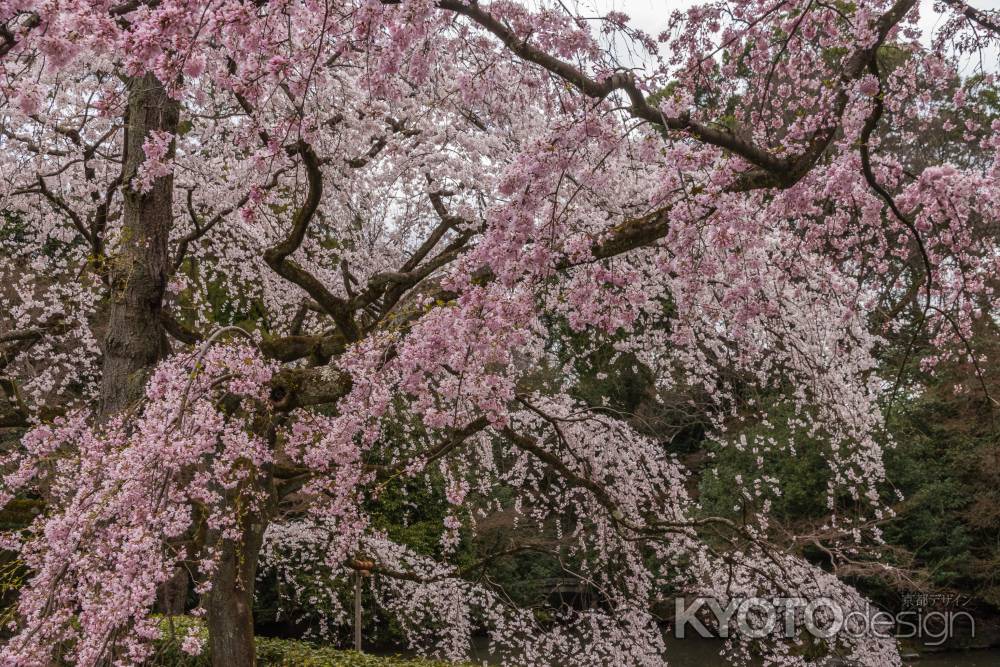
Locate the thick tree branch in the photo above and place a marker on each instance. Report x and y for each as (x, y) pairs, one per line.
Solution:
(455, 439)
(771, 170)
(528, 444)
(179, 330)
(294, 388)
(985, 20)
(277, 256)
(291, 348)
(391, 286)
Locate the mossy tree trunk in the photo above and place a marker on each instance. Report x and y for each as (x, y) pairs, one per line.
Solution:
(138, 271)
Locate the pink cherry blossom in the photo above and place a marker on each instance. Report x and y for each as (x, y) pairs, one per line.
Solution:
(422, 217)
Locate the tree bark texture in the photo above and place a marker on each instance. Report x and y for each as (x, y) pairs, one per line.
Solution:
(229, 603)
(136, 339)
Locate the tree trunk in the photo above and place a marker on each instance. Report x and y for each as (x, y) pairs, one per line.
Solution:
(136, 339)
(171, 599)
(229, 603)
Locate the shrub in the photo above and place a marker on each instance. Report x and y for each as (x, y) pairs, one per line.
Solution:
(271, 652)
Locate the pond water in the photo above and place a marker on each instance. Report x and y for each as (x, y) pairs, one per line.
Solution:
(985, 658)
(705, 653)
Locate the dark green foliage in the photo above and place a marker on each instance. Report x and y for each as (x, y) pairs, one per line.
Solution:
(271, 652)
(18, 513)
(947, 467)
(803, 475)
(412, 512)
(13, 228)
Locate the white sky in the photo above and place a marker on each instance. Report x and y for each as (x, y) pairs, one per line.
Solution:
(652, 15)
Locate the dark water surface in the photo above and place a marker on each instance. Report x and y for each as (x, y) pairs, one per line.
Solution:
(986, 658)
(705, 653)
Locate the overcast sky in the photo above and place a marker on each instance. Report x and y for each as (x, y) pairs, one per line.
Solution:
(652, 15)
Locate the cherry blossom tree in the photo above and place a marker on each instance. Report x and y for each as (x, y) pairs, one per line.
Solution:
(409, 196)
